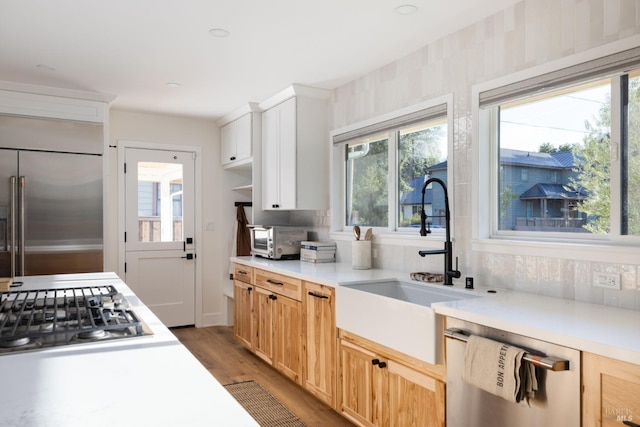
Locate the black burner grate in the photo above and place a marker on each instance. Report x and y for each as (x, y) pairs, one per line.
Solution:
(51, 317)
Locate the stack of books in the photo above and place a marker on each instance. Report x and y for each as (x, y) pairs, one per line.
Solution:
(318, 252)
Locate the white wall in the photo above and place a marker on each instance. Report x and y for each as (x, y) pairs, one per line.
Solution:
(528, 34)
(164, 129)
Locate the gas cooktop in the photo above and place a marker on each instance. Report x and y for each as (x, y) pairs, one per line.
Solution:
(36, 319)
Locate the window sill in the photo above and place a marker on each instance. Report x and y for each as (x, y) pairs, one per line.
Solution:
(603, 252)
(395, 239)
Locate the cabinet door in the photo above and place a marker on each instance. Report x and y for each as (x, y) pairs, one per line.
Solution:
(270, 159)
(242, 313)
(611, 391)
(263, 312)
(357, 384)
(288, 179)
(228, 143)
(288, 337)
(320, 338)
(244, 137)
(415, 399)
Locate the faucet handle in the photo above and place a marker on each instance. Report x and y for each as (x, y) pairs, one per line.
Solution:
(456, 273)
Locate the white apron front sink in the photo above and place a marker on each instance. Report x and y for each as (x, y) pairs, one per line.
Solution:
(396, 314)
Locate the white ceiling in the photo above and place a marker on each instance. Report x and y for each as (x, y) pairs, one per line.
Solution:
(132, 48)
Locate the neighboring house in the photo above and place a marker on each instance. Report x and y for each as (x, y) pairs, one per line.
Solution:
(535, 193)
(411, 201)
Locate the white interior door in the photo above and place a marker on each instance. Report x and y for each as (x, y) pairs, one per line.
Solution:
(159, 232)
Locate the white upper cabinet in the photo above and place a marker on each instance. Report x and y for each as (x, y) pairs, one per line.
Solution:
(295, 150)
(237, 140)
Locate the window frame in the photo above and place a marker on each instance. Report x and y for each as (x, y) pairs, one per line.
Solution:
(338, 176)
(485, 231)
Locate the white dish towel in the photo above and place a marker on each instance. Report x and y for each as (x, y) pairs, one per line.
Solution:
(498, 368)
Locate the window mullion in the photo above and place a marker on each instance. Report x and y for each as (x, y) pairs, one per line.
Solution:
(393, 180)
(616, 145)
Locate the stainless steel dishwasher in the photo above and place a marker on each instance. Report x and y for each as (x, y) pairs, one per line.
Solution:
(557, 401)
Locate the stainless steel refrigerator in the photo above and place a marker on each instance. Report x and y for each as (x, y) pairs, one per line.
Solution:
(50, 201)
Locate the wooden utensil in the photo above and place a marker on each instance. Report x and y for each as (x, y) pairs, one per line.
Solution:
(356, 232)
(368, 234)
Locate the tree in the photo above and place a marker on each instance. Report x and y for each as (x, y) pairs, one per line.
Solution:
(593, 167)
(369, 186)
(547, 147)
(418, 151)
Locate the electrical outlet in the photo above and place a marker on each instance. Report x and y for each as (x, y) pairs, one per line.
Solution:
(606, 280)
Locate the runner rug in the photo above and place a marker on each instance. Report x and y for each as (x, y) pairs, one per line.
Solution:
(262, 406)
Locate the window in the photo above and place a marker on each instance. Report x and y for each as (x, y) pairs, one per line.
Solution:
(367, 169)
(574, 137)
(384, 167)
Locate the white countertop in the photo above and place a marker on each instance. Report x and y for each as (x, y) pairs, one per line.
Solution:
(141, 381)
(607, 331)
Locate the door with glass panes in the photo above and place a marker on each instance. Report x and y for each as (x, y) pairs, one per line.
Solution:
(159, 239)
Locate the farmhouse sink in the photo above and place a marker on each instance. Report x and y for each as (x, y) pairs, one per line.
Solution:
(396, 314)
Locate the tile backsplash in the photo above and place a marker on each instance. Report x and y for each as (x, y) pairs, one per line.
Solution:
(525, 35)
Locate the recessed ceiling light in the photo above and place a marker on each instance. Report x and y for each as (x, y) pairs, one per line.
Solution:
(406, 9)
(45, 67)
(219, 32)
(173, 84)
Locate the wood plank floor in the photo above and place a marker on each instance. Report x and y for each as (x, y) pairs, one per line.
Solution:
(230, 362)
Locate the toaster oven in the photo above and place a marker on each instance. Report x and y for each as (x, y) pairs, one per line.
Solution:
(276, 241)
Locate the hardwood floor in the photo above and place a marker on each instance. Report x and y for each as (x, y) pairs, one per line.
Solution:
(230, 362)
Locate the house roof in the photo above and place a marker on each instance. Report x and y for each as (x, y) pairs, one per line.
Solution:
(551, 191)
(562, 160)
(414, 197)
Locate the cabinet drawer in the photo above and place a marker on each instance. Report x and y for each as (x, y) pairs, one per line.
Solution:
(279, 284)
(243, 273)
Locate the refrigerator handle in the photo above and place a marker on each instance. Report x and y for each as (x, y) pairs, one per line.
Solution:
(12, 230)
(21, 190)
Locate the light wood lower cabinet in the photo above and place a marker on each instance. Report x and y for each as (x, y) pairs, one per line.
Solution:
(243, 313)
(319, 334)
(288, 337)
(610, 392)
(292, 326)
(268, 318)
(263, 318)
(377, 390)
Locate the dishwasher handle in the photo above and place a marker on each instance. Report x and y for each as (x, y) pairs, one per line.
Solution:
(547, 362)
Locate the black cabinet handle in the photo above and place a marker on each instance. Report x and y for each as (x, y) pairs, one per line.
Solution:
(249, 289)
(242, 272)
(232, 158)
(273, 282)
(317, 295)
(379, 363)
(273, 297)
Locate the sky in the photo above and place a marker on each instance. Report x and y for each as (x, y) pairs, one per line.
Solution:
(559, 120)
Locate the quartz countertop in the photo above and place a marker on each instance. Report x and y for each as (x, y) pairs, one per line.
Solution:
(144, 381)
(607, 331)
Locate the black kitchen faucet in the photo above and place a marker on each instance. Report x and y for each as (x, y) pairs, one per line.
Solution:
(449, 272)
